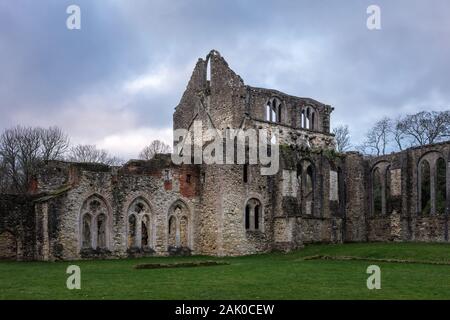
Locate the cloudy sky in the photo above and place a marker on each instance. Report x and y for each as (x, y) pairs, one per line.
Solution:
(115, 82)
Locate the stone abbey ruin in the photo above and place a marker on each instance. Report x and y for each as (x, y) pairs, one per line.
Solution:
(84, 210)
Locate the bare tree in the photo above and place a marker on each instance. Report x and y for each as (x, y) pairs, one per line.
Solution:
(426, 127)
(398, 133)
(91, 154)
(55, 143)
(155, 147)
(342, 137)
(21, 150)
(377, 138)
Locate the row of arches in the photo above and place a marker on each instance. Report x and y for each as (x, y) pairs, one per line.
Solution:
(431, 185)
(432, 181)
(274, 113)
(96, 225)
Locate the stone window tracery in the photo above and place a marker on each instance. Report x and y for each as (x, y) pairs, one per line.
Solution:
(432, 184)
(94, 224)
(178, 226)
(139, 229)
(273, 110)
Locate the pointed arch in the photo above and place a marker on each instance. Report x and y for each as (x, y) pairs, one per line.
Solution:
(179, 225)
(253, 215)
(140, 224)
(431, 183)
(95, 223)
(274, 110)
(306, 180)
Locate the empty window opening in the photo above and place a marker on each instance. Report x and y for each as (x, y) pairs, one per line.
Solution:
(425, 187)
(441, 189)
(94, 224)
(377, 191)
(208, 70)
(257, 217)
(273, 110)
(253, 215)
(245, 173)
(247, 217)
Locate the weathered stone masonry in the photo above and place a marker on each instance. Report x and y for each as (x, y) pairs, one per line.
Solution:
(77, 211)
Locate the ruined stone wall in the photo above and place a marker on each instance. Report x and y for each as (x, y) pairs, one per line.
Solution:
(17, 232)
(291, 107)
(356, 198)
(61, 214)
(296, 222)
(402, 218)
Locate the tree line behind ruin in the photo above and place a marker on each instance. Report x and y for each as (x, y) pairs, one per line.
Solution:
(24, 149)
(397, 134)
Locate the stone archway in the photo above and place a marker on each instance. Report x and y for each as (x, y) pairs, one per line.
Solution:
(179, 226)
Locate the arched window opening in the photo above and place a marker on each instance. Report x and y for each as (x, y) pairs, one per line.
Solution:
(94, 224)
(377, 192)
(253, 215)
(312, 120)
(441, 189)
(305, 195)
(273, 110)
(179, 232)
(425, 187)
(139, 224)
(87, 237)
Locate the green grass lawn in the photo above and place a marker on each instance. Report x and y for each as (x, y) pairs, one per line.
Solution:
(267, 276)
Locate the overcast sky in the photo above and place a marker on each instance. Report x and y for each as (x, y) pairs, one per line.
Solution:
(115, 82)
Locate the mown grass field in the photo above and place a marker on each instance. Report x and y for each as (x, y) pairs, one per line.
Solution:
(268, 276)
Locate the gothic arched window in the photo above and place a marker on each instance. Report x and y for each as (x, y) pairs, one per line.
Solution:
(253, 215)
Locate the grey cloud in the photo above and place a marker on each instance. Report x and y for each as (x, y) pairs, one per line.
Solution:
(308, 48)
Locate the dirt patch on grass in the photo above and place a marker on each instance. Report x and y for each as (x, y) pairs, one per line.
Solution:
(180, 265)
(349, 258)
